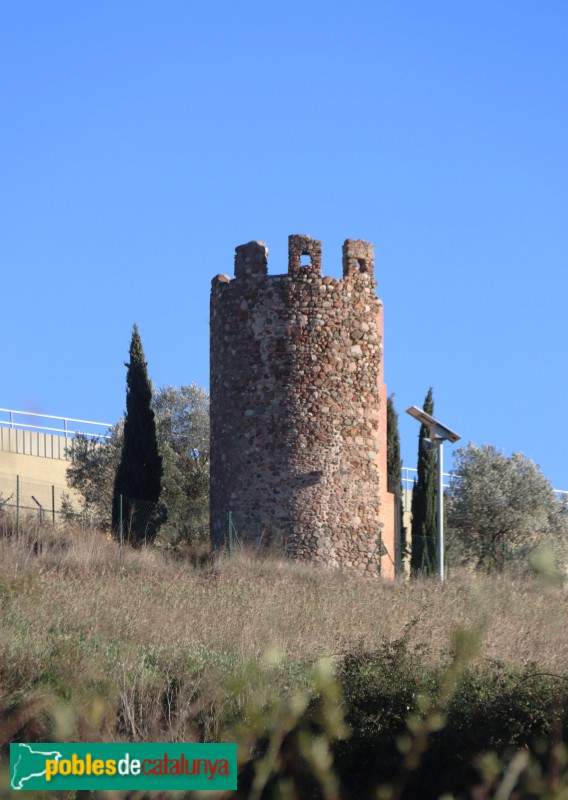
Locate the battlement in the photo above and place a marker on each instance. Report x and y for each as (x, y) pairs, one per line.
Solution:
(358, 257)
(300, 245)
(251, 259)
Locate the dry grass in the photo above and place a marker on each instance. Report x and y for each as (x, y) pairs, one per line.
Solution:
(99, 645)
(73, 584)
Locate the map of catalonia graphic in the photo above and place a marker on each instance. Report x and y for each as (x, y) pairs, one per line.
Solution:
(27, 763)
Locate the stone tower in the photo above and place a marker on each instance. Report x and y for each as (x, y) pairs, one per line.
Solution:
(298, 408)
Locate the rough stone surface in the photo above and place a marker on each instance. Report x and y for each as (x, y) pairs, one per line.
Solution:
(298, 408)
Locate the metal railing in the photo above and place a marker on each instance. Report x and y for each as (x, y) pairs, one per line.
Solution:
(410, 473)
(63, 430)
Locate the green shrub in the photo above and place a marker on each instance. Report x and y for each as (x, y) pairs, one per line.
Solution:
(445, 718)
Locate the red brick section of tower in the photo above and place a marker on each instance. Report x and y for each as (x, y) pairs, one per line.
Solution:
(298, 408)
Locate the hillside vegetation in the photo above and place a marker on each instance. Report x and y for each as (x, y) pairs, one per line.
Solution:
(99, 645)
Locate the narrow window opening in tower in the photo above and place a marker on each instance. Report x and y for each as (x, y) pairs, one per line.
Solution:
(305, 260)
(362, 265)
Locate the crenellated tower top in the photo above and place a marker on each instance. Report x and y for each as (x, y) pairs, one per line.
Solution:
(251, 259)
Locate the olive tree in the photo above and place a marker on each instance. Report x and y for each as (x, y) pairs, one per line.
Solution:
(499, 509)
(182, 418)
(182, 422)
(92, 471)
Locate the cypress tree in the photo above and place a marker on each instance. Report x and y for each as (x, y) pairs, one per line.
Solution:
(394, 471)
(423, 557)
(139, 473)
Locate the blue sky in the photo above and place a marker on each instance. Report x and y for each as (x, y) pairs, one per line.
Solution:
(141, 142)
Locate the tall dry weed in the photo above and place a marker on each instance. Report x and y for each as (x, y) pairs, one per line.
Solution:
(139, 645)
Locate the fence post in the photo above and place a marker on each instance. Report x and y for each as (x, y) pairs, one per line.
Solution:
(53, 502)
(17, 503)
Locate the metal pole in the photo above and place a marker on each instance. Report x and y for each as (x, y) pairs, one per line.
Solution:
(17, 503)
(40, 509)
(230, 522)
(441, 510)
(53, 502)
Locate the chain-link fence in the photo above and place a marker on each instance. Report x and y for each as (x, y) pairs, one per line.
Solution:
(40, 502)
(137, 522)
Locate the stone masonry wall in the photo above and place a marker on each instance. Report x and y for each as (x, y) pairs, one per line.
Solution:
(298, 408)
